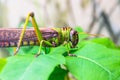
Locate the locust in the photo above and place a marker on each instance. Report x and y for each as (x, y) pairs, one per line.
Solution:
(47, 37)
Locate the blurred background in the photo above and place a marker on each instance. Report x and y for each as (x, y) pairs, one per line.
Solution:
(94, 16)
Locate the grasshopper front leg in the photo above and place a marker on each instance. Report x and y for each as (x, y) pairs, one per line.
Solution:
(37, 31)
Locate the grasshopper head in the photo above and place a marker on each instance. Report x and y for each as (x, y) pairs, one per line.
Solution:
(73, 37)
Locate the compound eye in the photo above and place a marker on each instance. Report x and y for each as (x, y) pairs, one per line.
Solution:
(74, 37)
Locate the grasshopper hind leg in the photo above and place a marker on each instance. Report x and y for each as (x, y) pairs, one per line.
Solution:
(22, 33)
(37, 31)
(16, 51)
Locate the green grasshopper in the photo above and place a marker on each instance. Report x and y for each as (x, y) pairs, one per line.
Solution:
(65, 35)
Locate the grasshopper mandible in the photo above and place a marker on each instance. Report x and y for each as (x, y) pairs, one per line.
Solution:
(48, 37)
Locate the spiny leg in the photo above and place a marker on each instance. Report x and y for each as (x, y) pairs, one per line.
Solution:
(22, 34)
(36, 28)
(37, 31)
(39, 35)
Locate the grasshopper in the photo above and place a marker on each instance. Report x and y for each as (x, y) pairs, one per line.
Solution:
(47, 37)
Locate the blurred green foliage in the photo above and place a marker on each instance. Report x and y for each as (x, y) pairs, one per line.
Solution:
(97, 59)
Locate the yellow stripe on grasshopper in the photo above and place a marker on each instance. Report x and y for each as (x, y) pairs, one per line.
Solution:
(32, 42)
(25, 43)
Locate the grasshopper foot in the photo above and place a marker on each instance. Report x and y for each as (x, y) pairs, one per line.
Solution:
(16, 51)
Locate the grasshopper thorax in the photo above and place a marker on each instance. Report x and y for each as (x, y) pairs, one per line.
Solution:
(67, 35)
(73, 37)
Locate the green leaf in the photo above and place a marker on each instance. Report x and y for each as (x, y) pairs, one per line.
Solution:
(58, 74)
(30, 68)
(2, 64)
(104, 41)
(25, 50)
(28, 50)
(95, 62)
(58, 50)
